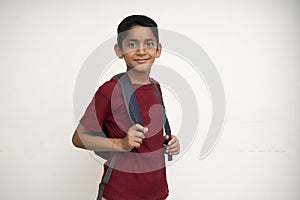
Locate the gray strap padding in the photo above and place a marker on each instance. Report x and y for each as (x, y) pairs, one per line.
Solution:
(107, 175)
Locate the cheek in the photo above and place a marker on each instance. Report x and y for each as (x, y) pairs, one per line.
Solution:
(129, 52)
(155, 54)
(128, 55)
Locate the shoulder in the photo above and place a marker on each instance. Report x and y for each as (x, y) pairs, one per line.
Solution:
(156, 83)
(107, 88)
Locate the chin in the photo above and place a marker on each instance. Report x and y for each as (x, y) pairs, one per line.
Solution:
(141, 68)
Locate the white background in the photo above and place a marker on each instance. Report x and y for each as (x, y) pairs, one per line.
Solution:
(254, 45)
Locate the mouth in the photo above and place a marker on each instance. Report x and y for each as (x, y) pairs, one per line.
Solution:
(141, 61)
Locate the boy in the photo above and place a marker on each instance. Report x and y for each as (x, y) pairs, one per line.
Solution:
(142, 174)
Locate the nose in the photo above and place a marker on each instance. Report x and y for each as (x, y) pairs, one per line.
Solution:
(141, 50)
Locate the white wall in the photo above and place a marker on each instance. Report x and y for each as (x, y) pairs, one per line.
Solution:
(254, 45)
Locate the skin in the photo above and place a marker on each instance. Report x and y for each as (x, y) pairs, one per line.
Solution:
(139, 50)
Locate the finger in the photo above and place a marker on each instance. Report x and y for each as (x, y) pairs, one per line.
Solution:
(138, 127)
(166, 137)
(135, 136)
(138, 134)
(173, 140)
(173, 144)
(173, 151)
(145, 130)
(174, 148)
(133, 133)
(134, 141)
(138, 140)
(136, 144)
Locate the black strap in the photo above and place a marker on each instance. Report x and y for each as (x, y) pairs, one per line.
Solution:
(132, 107)
(129, 98)
(165, 119)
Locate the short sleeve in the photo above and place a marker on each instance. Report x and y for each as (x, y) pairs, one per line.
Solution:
(89, 119)
(98, 110)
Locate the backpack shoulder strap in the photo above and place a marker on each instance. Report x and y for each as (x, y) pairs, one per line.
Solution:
(165, 119)
(129, 98)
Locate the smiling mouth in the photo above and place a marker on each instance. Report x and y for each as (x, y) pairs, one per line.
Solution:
(141, 61)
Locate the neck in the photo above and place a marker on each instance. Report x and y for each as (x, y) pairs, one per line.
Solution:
(141, 78)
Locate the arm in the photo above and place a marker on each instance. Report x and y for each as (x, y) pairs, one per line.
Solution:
(86, 139)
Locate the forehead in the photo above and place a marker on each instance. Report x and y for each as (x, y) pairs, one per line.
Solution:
(139, 33)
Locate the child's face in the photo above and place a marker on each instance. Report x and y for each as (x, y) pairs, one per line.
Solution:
(139, 49)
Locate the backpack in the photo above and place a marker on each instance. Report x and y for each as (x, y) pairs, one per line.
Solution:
(134, 115)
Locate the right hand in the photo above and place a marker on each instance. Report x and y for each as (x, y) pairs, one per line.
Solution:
(134, 138)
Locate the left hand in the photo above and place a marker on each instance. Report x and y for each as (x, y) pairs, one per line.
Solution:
(173, 147)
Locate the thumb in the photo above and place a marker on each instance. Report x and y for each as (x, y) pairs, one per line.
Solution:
(145, 130)
(166, 137)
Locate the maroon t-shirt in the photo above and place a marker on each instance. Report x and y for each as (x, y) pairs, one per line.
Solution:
(140, 174)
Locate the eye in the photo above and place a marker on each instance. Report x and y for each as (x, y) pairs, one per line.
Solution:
(132, 45)
(149, 44)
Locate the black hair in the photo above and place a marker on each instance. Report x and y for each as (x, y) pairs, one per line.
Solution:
(133, 20)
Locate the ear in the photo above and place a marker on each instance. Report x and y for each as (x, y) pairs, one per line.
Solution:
(118, 51)
(158, 50)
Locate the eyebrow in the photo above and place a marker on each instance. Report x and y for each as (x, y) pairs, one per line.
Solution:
(136, 40)
(133, 40)
(147, 40)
